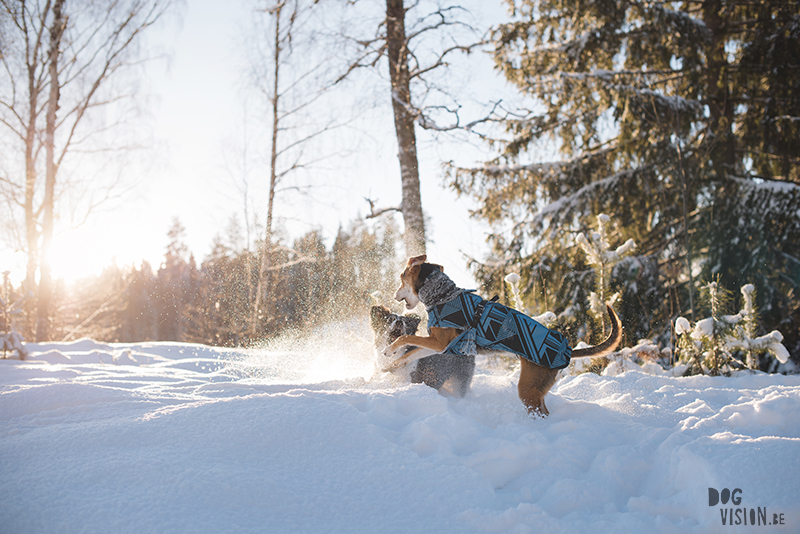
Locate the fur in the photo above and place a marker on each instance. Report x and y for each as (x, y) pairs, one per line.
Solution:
(447, 373)
(535, 381)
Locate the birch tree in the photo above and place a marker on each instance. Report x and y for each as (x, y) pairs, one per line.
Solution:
(290, 74)
(45, 275)
(61, 61)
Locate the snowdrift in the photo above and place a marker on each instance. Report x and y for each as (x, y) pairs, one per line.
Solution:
(167, 437)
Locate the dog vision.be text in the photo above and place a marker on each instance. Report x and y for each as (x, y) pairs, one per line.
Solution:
(757, 516)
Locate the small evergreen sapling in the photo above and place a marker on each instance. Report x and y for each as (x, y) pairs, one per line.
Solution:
(548, 318)
(603, 258)
(599, 254)
(712, 343)
(512, 279)
(744, 338)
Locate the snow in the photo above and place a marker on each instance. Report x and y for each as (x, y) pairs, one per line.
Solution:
(703, 329)
(682, 325)
(305, 437)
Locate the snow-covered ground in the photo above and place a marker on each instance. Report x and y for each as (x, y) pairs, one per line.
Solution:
(166, 437)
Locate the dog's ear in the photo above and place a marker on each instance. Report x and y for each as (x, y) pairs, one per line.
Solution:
(416, 260)
(379, 314)
(437, 266)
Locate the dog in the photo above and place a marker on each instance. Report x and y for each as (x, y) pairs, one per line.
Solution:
(459, 322)
(447, 373)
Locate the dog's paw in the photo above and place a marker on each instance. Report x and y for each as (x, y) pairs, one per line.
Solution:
(395, 357)
(394, 352)
(393, 366)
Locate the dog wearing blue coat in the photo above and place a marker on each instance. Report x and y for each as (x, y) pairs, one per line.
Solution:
(459, 322)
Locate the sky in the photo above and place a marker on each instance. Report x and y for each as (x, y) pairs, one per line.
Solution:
(195, 118)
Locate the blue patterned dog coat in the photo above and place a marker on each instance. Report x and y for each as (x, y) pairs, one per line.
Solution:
(491, 325)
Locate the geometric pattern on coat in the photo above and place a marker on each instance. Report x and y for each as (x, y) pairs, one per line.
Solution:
(499, 327)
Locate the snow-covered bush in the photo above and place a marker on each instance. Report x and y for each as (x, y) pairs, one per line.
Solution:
(713, 343)
(512, 279)
(10, 341)
(548, 319)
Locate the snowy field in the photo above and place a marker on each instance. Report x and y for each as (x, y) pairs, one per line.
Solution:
(165, 437)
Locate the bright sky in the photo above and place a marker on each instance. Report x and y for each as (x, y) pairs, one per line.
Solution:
(198, 112)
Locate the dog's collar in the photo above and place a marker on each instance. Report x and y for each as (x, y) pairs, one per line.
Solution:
(437, 288)
(431, 270)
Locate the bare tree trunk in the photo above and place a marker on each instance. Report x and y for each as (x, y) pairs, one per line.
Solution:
(263, 288)
(684, 198)
(45, 275)
(31, 233)
(397, 49)
(34, 44)
(720, 103)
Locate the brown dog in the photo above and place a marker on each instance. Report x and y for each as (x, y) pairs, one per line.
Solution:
(534, 380)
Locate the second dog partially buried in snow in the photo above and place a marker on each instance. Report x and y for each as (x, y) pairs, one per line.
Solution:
(459, 322)
(447, 373)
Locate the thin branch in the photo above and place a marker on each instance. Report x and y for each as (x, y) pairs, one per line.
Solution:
(373, 213)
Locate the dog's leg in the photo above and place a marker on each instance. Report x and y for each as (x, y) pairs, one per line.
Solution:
(534, 383)
(435, 343)
(416, 353)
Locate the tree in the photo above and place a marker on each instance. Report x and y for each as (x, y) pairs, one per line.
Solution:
(680, 119)
(413, 57)
(289, 72)
(226, 299)
(600, 254)
(176, 286)
(45, 276)
(364, 261)
(10, 340)
(93, 307)
(61, 63)
(139, 315)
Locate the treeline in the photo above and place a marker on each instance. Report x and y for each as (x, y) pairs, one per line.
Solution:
(213, 302)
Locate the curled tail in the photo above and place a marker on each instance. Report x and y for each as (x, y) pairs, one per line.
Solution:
(607, 346)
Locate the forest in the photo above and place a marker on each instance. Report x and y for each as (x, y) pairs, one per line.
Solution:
(212, 302)
(674, 126)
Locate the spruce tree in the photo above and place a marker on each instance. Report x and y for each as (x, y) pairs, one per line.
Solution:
(679, 119)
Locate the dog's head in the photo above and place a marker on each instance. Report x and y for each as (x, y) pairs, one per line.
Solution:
(411, 279)
(388, 326)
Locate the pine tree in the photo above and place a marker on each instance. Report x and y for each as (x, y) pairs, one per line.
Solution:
(173, 280)
(139, 318)
(681, 120)
(227, 292)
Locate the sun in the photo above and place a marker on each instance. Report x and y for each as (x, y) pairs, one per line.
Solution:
(87, 251)
(73, 256)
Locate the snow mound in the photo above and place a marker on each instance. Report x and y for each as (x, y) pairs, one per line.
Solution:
(170, 437)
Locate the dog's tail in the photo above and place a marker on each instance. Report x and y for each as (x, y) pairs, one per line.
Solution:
(607, 346)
